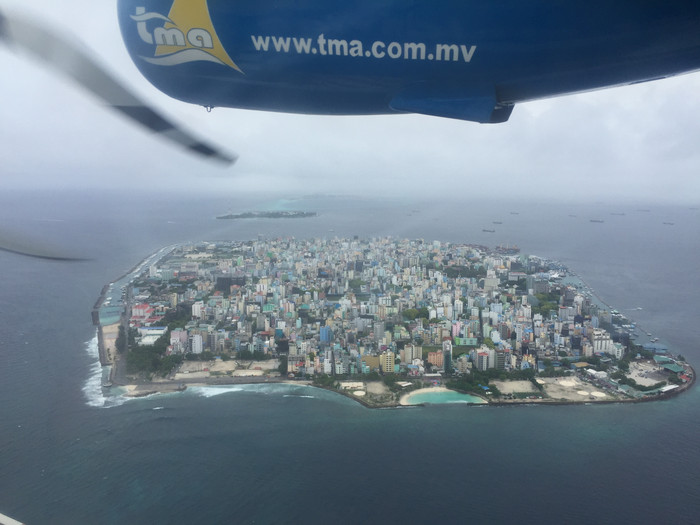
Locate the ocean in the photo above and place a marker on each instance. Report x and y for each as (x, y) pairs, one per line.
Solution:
(294, 454)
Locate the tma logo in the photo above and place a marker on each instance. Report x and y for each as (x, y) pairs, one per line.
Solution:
(185, 35)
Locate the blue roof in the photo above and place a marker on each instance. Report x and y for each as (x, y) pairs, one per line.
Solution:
(656, 348)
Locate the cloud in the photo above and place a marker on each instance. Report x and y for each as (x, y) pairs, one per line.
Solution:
(635, 142)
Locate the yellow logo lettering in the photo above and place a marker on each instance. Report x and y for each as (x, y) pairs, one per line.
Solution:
(186, 35)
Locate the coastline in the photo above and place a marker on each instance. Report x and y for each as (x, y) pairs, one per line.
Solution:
(405, 399)
(111, 311)
(148, 388)
(107, 352)
(269, 215)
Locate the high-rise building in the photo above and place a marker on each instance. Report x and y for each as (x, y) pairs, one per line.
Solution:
(482, 361)
(501, 358)
(379, 330)
(370, 362)
(326, 334)
(412, 352)
(447, 356)
(178, 340)
(436, 358)
(386, 361)
(197, 309)
(196, 344)
(601, 341)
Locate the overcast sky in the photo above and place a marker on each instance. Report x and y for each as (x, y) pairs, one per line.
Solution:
(637, 142)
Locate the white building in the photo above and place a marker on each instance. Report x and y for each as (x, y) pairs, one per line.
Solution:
(197, 309)
(617, 351)
(196, 344)
(601, 342)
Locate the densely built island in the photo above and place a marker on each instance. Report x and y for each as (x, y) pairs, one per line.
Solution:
(385, 321)
(269, 215)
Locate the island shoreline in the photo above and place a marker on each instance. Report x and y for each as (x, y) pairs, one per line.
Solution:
(148, 388)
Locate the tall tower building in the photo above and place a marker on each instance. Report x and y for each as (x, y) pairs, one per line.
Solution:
(386, 362)
(447, 356)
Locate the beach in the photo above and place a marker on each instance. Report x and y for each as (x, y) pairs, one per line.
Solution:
(410, 398)
(375, 394)
(108, 343)
(406, 398)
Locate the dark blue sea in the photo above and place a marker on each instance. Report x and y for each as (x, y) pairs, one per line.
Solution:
(292, 454)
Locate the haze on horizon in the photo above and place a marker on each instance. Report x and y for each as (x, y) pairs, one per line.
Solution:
(635, 143)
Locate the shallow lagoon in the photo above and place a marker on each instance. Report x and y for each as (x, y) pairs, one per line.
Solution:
(443, 397)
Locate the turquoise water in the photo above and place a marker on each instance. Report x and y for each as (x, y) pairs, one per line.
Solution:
(439, 398)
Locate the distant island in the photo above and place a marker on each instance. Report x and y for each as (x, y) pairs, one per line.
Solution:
(384, 321)
(269, 215)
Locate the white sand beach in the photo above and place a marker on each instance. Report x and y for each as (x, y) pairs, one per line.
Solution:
(406, 398)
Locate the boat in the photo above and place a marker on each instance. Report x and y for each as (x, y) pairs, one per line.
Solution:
(488, 231)
(597, 220)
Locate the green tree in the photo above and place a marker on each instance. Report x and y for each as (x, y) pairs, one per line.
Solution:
(324, 380)
(355, 284)
(121, 340)
(245, 355)
(410, 314)
(168, 363)
(147, 359)
(283, 365)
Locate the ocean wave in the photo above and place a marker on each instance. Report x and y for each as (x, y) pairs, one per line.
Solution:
(276, 389)
(99, 397)
(212, 391)
(269, 389)
(294, 395)
(92, 389)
